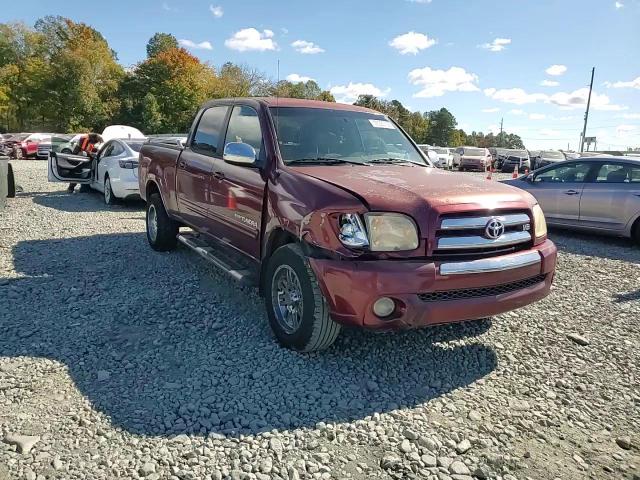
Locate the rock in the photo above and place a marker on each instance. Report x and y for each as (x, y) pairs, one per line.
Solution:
(445, 462)
(519, 405)
(405, 446)
(322, 458)
(475, 416)
(390, 461)
(29, 474)
(103, 375)
(463, 446)
(624, 442)
(24, 443)
(482, 472)
(410, 434)
(372, 386)
(293, 474)
(147, 469)
(57, 464)
(427, 443)
(429, 460)
(266, 465)
(276, 446)
(459, 468)
(577, 338)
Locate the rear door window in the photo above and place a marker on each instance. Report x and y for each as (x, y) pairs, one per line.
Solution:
(207, 137)
(617, 173)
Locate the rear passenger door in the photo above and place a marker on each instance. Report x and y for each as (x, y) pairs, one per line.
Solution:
(195, 184)
(611, 197)
(240, 189)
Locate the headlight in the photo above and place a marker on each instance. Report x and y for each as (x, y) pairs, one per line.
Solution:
(539, 221)
(385, 232)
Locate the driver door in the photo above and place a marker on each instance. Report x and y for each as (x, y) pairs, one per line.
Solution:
(69, 168)
(559, 191)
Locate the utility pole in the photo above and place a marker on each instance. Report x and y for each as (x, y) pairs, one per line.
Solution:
(586, 113)
(500, 139)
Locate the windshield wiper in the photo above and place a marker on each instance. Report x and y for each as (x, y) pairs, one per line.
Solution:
(322, 161)
(391, 160)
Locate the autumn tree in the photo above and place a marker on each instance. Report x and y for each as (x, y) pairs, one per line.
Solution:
(160, 42)
(442, 123)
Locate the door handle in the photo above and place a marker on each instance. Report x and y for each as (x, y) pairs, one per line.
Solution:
(218, 175)
(571, 192)
(182, 164)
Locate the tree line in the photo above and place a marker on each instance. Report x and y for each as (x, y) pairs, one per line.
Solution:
(62, 76)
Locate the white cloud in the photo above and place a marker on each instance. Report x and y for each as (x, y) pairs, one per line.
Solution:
(195, 46)
(216, 11)
(537, 116)
(250, 39)
(619, 5)
(516, 96)
(578, 99)
(625, 130)
(547, 132)
(349, 93)
(295, 78)
(436, 83)
(549, 83)
(635, 83)
(491, 110)
(630, 116)
(497, 45)
(412, 42)
(516, 111)
(309, 48)
(420, 1)
(556, 70)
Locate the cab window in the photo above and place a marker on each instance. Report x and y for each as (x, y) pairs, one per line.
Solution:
(208, 131)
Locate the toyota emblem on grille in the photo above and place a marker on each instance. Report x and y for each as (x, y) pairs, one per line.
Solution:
(494, 229)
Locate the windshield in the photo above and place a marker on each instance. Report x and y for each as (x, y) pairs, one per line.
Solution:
(552, 154)
(518, 153)
(441, 151)
(474, 152)
(135, 146)
(326, 134)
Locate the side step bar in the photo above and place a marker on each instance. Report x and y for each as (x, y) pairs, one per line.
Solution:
(221, 257)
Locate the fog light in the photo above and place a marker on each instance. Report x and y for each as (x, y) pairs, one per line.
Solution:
(384, 307)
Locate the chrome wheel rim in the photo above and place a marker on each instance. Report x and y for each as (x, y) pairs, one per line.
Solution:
(107, 191)
(286, 296)
(152, 223)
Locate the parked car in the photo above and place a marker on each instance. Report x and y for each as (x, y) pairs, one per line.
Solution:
(600, 194)
(12, 145)
(498, 156)
(114, 172)
(547, 157)
(515, 160)
(29, 146)
(54, 144)
(571, 155)
(472, 158)
(310, 200)
(444, 158)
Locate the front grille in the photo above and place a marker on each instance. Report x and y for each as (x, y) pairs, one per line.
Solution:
(467, 293)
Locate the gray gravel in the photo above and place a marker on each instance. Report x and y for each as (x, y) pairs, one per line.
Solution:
(120, 362)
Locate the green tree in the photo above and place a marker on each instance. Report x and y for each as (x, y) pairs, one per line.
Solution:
(457, 138)
(151, 115)
(309, 90)
(160, 42)
(441, 126)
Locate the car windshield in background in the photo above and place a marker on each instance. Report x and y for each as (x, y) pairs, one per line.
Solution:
(552, 154)
(317, 135)
(135, 146)
(518, 153)
(475, 152)
(441, 151)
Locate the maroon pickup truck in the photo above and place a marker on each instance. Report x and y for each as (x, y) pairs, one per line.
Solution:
(339, 219)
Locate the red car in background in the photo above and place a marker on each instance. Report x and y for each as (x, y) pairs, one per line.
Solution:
(29, 146)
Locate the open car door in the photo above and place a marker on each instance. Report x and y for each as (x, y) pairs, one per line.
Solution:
(68, 168)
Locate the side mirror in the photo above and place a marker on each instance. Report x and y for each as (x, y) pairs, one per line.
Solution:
(239, 153)
(529, 178)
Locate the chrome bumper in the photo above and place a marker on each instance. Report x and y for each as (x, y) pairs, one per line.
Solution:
(496, 264)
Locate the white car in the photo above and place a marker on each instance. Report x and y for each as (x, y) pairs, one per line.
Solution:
(444, 156)
(114, 172)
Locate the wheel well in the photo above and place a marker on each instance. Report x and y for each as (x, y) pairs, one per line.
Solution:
(277, 239)
(151, 189)
(635, 228)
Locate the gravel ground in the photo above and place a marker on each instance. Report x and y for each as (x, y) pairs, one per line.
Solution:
(120, 362)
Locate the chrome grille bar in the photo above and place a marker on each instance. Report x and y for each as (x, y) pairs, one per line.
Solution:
(485, 265)
(466, 223)
(476, 241)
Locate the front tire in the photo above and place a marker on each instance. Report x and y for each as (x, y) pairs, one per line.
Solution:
(162, 231)
(635, 233)
(298, 313)
(109, 197)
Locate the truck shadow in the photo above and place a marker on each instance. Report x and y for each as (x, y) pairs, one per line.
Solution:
(154, 347)
(79, 202)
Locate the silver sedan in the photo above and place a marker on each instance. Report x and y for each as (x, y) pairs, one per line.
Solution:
(599, 194)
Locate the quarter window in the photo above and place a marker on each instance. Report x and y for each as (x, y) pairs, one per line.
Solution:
(116, 150)
(207, 136)
(618, 173)
(244, 127)
(571, 173)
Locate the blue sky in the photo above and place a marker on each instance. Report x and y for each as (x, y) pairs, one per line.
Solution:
(527, 61)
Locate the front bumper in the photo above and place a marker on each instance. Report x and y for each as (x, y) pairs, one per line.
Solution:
(477, 164)
(352, 287)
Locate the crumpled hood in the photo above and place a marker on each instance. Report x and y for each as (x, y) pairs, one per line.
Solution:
(418, 191)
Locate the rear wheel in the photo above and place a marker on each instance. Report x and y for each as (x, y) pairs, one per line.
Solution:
(635, 232)
(298, 313)
(162, 231)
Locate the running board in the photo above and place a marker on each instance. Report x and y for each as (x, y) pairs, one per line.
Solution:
(222, 257)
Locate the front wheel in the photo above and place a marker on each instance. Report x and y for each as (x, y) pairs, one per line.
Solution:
(297, 311)
(162, 231)
(109, 197)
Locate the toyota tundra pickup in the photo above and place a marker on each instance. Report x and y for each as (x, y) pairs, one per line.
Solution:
(338, 218)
